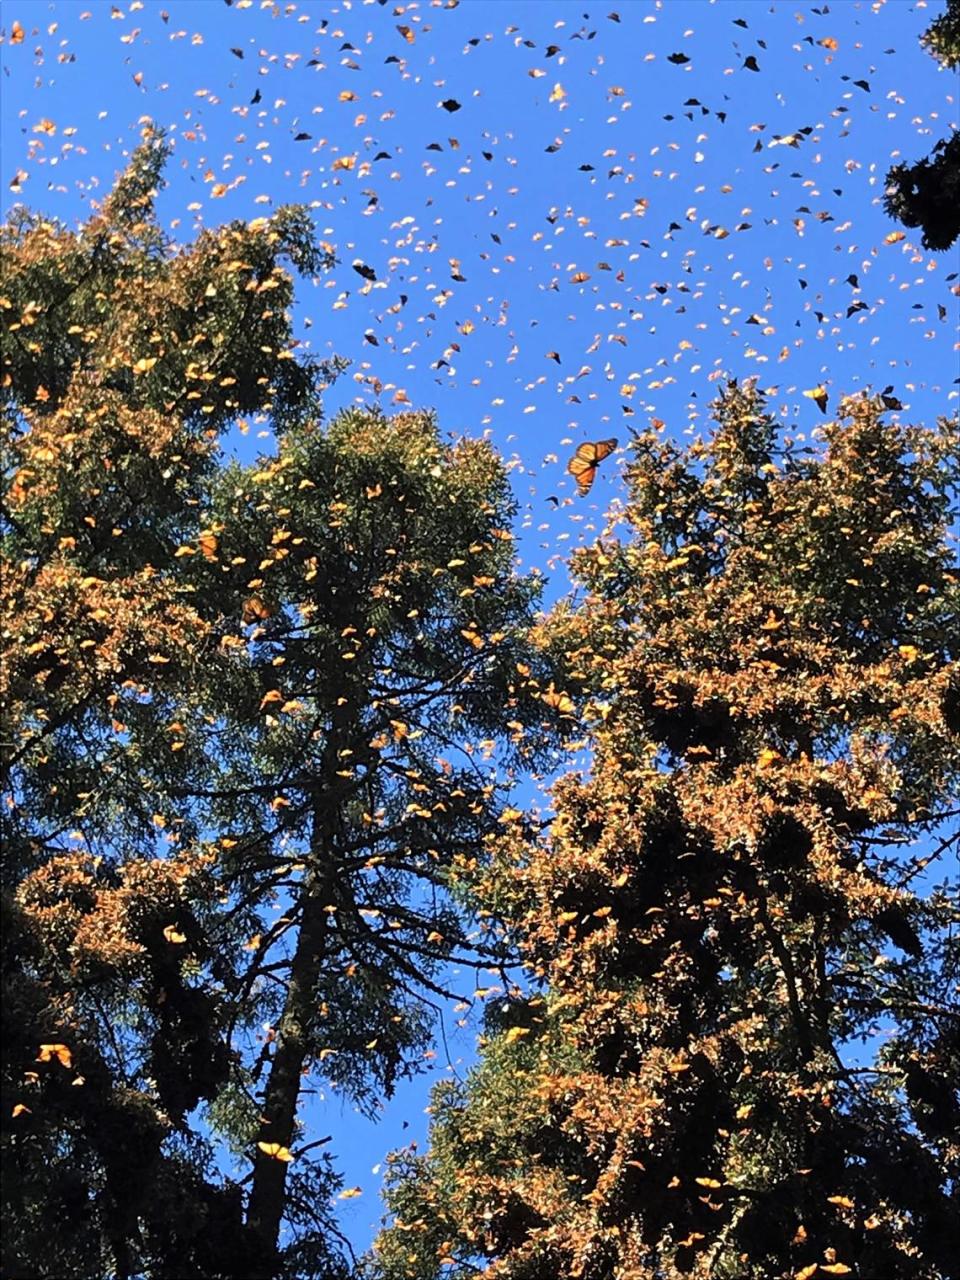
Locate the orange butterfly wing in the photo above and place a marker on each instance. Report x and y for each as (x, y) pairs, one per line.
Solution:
(583, 473)
(585, 482)
(583, 465)
(255, 610)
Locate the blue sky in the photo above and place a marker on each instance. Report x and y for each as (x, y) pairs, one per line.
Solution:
(597, 233)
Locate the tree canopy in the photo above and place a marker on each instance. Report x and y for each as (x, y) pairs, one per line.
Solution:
(927, 194)
(280, 704)
(736, 1052)
(254, 718)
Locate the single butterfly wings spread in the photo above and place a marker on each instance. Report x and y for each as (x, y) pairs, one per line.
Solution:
(583, 465)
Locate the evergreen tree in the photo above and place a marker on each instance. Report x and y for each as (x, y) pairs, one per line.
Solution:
(927, 194)
(124, 358)
(738, 1055)
(253, 719)
(353, 732)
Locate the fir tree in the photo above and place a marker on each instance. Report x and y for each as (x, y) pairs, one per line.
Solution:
(927, 194)
(253, 721)
(737, 1054)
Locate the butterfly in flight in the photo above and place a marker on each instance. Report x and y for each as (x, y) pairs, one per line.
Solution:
(583, 465)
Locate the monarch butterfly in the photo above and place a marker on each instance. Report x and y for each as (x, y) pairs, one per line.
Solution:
(561, 702)
(819, 396)
(276, 1151)
(208, 543)
(254, 610)
(583, 465)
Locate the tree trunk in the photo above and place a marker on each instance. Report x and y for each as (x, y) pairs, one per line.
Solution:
(267, 1197)
(268, 1193)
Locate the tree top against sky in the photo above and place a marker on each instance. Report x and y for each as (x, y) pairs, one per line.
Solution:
(549, 221)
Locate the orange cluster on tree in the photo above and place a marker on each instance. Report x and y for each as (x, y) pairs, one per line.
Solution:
(733, 900)
(254, 717)
(124, 357)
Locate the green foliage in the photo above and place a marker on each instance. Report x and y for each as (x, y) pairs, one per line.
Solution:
(726, 914)
(942, 37)
(254, 718)
(927, 194)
